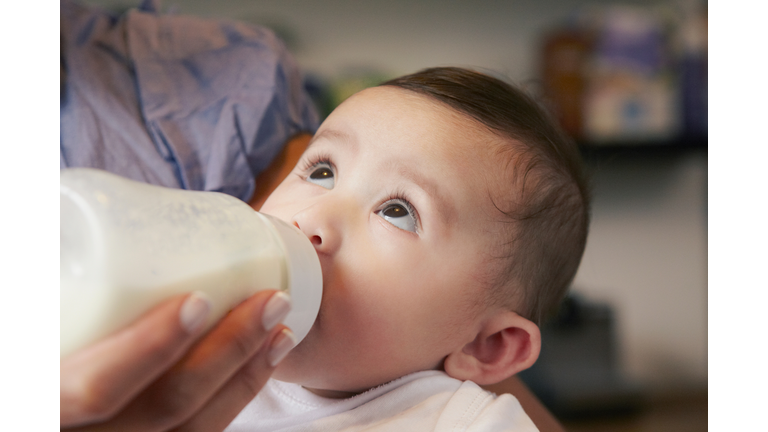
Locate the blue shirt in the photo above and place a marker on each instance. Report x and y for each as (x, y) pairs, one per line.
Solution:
(176, 101)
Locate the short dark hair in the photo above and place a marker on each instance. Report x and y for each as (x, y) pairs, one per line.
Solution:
(548, 203)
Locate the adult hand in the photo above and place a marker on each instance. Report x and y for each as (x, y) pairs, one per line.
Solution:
(156, 375)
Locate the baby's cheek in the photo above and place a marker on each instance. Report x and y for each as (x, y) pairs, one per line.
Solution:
(363, 321)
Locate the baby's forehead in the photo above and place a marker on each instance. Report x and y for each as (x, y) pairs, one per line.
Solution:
(417, 101)
(483, 139)
(426, 121)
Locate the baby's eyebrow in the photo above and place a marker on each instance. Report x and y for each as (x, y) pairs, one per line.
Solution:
(337, 136)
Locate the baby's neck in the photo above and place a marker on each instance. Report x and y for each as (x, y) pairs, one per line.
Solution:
(332, 394)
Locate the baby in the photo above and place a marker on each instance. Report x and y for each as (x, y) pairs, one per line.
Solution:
(450, 215)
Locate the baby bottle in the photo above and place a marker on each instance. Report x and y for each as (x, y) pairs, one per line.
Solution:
(126, 246)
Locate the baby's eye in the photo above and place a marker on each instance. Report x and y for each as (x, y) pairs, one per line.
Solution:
(321, 174)
(400, 214)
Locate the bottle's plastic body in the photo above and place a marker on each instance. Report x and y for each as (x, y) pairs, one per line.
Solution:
(126, 246)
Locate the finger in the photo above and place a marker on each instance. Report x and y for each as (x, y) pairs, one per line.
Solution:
(98, 381)
(210, 363)
(242, 387)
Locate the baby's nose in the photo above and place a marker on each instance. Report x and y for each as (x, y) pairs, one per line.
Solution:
(316, 240)
(323, 228)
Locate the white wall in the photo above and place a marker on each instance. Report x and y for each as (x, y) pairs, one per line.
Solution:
(647, 257)
(647, 254)
(398, 36)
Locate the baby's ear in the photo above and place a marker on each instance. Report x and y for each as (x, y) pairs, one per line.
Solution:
(506, 344)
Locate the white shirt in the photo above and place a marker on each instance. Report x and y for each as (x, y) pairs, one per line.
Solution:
(423, 401)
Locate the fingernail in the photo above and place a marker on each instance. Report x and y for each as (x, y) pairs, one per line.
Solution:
(275, 310)
(194, 312)
(284, 343)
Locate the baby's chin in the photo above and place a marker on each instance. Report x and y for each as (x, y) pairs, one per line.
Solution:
(301, 366)
(286, 371)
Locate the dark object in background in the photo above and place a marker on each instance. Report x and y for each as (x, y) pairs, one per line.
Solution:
(564, 57)
(320, 93)
(694, 73)
(577, 373)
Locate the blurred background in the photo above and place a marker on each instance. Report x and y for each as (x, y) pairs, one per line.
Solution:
(628, 80)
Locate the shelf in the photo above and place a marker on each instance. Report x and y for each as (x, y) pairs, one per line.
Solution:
(591, 150)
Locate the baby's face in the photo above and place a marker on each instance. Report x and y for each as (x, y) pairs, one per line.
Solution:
(394, 192)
